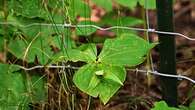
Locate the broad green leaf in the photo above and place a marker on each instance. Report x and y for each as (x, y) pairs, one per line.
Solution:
(1, 26)
(56, 3)
(163, 106)
(82, 79)
(85, 53)
(1, 4)
(113, 78)
(63, 42)
(10, 29)
(129, 21)
(182, 107)
(41, 47)
(79, 8)
(8, 68)
(17, 48)
(149, 4)
(120, 32)
(13, 91)
(89, 49)
(38, 87)
(33, 31)
(126, 50)
(1, 43)
(112, 81)
(28, 51)
(37, 9)
(71, 55)
(30, 27)
(93, 84)
(56, 18)
(41, 50)
(13, 88)
(106, 4)
(106, 90)
(104, 85)
(113, 20)
(87, 30)
(192, 105)
(127, 3)
(28, 8)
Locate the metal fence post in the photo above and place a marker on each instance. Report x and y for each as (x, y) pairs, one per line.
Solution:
(167, 51)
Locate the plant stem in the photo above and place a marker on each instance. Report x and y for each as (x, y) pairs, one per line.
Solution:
(146, 37)
(5, 31)
(167, 51)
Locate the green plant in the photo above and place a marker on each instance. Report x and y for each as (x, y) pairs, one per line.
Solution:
(105, 73)
(19, 89)
(131, 4)
(191, 106)
(162, 105)
(30, 44)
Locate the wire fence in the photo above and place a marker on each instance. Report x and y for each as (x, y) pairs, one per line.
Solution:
(148, 30)
(107, 29)
(179, 77)
(100, 28)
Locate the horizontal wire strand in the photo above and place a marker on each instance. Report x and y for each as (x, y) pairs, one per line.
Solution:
(50, 66)
(179, 77)
(100, 28)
